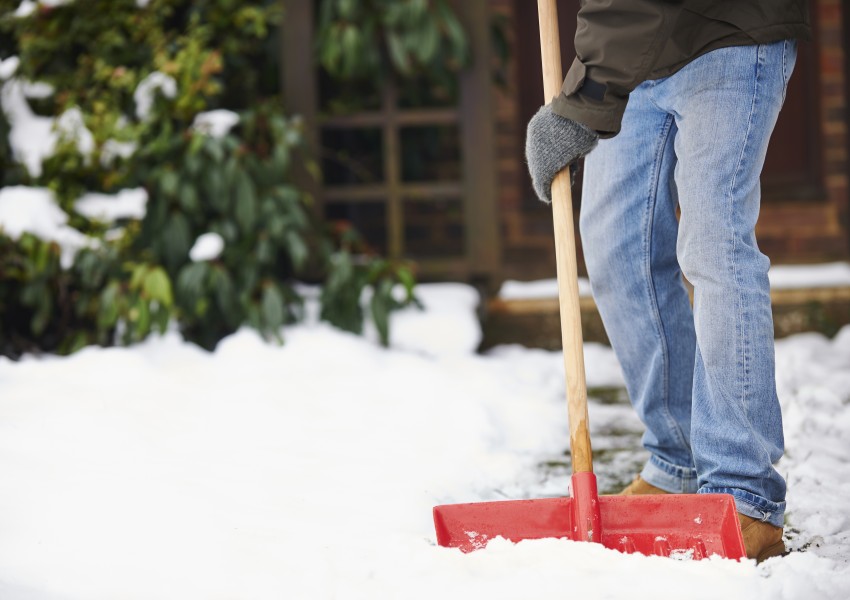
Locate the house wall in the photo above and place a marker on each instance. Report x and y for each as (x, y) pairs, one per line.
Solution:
(528, 251)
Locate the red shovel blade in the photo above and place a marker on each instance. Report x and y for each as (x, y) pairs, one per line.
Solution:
(679, 525)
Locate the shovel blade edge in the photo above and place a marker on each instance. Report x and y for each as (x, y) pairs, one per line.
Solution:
(686, 526)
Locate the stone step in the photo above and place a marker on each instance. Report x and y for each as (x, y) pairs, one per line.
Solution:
(536, 323)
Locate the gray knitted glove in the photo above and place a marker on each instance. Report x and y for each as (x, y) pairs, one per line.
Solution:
(553, 142)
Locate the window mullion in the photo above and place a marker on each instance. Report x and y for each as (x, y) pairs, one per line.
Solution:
(392, 172)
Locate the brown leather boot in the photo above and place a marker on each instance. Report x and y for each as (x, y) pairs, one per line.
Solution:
(761, 540)
(640, 487)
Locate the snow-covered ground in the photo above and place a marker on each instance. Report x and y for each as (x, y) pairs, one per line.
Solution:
(309, 470)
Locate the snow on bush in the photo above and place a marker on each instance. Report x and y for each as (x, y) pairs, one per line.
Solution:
(207, 247)
(147, 89)
(108, 208)
(215, 123)
(34, 210)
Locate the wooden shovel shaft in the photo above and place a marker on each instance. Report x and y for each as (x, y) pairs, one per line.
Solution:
(565, 255)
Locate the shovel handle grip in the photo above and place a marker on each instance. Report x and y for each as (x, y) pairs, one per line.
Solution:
(565, 255)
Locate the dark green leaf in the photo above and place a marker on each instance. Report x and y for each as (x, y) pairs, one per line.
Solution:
(297, 249)
(246, 203)
(382, 304)
(272, 309)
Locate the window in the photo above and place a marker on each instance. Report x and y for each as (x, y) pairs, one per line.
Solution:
(397, 162)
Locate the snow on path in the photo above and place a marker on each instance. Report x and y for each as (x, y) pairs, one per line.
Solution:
(309, 470)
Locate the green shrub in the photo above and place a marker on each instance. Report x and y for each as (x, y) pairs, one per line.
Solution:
(138, 275)
(44, 307)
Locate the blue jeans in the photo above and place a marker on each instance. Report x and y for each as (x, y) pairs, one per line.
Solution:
(702, 380)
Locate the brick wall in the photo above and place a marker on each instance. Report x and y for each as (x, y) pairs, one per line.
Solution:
(527, 247)
(817, 229)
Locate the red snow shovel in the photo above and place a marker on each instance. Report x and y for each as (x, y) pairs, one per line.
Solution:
(680, 525)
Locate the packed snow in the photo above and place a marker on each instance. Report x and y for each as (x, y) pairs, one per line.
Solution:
(309, 470)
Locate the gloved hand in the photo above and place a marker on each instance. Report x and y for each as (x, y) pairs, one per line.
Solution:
(552, 142)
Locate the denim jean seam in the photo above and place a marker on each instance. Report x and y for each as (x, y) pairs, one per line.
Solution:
(668, 476)
(649, 98)
(671, 469)
(744, 356)
(789, 48)
(784, 69)
(664, 139)
(740, 326)
(767, 507)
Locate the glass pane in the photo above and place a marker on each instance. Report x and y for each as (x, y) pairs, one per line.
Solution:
(352, 156)
(345, 97)
(430, 153)
(368, 218)
(424, 93)
(433, 229)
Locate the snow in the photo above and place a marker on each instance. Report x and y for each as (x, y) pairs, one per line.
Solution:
(146, 90)
(309, 470)
(8, 66)
(208, 246)
(33, 138)
(113, 149)
(35, 210)
(835, 274)
(448, 330)
(70, 125)
(537, 290)
(108, 208)
(37, 89)
(215, 123)
(28, 7)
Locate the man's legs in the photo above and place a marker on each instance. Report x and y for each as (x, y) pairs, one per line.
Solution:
(720, 110)
(629, 231)
(726, 104)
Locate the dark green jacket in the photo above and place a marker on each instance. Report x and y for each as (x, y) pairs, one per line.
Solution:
(622, 43)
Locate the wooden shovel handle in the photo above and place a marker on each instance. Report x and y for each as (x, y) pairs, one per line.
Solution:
(565, 254)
